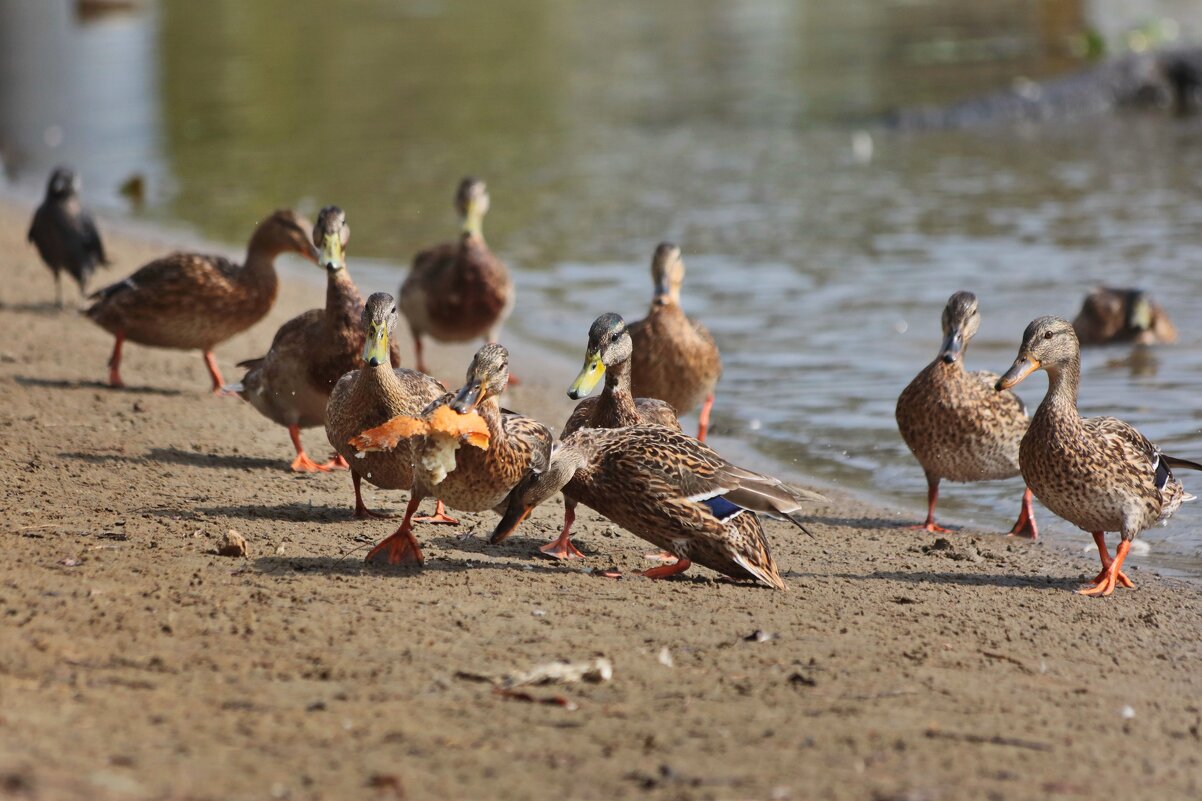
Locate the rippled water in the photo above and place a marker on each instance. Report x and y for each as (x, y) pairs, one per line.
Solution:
(727, 127)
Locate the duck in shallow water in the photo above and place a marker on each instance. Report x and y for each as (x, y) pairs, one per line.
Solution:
(955, 423)
(65, 234)
(458, 291)
(190, 301)
(1098, 473)
(674, 358)
(1109, 315)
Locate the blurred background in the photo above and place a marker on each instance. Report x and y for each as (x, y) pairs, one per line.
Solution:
(821, 243)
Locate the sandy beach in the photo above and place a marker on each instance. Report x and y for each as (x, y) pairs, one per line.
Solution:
(135, 663)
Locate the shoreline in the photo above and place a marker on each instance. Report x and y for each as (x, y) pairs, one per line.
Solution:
(134, 660)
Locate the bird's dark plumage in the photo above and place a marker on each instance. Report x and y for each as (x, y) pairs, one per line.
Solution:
(65, 234)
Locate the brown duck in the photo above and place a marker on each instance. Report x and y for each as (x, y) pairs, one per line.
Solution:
(674, 358)
(667, 488)
(1099, 474)
(373, 395)
(1111, 315)
(608, 355)
(291, 385)
(458, 291)
(189, 301)
(480, 478)
(956, 425)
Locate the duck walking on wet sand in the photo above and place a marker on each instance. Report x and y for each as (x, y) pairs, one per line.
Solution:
(674, 358)
(190, 301)
(955, 423)
(65, 234)
(1100, 474)
(1111, 315)
(671, 490)
(608, 354)
(291, 385)
(458, 291)
(373, 395)
(480, 478)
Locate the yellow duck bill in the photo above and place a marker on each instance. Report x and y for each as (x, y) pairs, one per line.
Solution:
(375, 349)
(590, 374)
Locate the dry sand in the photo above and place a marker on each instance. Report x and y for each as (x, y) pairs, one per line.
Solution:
(137, 664)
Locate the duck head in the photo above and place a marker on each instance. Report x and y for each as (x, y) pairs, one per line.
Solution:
(330, 235)
(471, 202)
(284, 231)
(961, 320)
(1049, 343)
(379, 321)
(487, 378)
(667, 272)
(63, 183)
(609, 343)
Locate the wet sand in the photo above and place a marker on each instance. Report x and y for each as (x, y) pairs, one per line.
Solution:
(137, 664)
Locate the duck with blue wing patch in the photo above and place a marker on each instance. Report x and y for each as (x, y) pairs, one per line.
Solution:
(671, 490)
(1098, 473)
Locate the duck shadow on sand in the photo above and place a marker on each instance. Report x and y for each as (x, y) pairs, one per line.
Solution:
(181, 457)
(351, 564)
(1012, 580)
(66, 383)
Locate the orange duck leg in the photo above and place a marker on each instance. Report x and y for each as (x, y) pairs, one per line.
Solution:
(561, 547)
(302, 463)
(1025, 525)
(932, 499)
(1112, 573)
(400, 547)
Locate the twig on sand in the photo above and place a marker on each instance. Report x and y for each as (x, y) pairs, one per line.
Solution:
(988, 739)
(1007, 658)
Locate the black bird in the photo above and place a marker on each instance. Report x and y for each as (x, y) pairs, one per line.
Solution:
(65, 235)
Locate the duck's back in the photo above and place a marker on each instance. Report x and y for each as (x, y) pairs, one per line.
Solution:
(185, 300)
(674, 359)
(958, 427)
(457, 291)
(1102, 475)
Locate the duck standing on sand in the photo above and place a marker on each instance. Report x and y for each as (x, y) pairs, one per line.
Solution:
(189, 301)
(458, 291)
(608, 354)
(1100, 474)
(674, 358)
(671, 490)
(1111, 315)
(373, 395)
(291, 385)
(65, 234)
(477, 478)
(956, 425)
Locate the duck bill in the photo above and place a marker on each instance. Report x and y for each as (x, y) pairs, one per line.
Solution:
(1140, 318)
(375, 349)
(953, 348)
(590, 374)
(663, 294)
(469, 397)
(513, 517)
(331, 253)
(1023, 366)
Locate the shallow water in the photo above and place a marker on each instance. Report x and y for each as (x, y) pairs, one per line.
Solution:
(820, 257)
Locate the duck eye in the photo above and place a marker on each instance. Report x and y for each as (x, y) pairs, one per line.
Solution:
(1047, 335)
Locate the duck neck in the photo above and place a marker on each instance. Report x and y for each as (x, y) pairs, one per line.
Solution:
(565, 461)
(617, 402)
(490, 412)
(260, 261)
(473, 225)
(1063, 381)
(344, 304)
